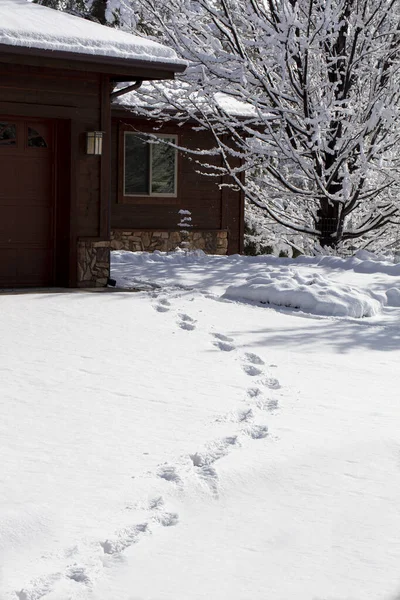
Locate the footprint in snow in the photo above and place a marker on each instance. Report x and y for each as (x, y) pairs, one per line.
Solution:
(210, 477)
(253, 359)
(254, 392)
(214, 452)
(222, 337)
(255, 395)
(204, 461)
(272, 405)
(257, 432)
(125, 538)
(252, 370)
(78, 574)
(186, 322)
(167, 519)
(40, 588)
(245, 415)
(160, 516)
(271, 383)
(169, 473)
(163, 305)
(156, 503)
(223, 342)
(224, 346)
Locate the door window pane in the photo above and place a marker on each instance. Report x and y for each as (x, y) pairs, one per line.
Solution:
(163, 168)
(136, 165)
(8, 134)
(35, 140)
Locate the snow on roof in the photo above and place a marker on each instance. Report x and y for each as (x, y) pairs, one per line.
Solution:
(179, 95)
(29, 25)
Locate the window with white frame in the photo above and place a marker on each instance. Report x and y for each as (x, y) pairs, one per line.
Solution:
(150, 165)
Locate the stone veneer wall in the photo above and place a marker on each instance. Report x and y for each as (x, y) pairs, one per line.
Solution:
(212, 242)
(93, 263)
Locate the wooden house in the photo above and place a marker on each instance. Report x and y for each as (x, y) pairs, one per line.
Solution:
(152, 183)
(57, 73)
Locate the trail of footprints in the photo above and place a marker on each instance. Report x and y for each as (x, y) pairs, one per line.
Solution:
(203, 462)
(184, 321)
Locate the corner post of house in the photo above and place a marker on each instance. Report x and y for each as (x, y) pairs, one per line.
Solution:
(73, 217)
(105, 173)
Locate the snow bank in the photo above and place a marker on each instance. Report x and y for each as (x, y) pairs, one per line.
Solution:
(309, 293)
(264, 279)
(359, 263)
(393, 296)
(355, 263)
(34, 26)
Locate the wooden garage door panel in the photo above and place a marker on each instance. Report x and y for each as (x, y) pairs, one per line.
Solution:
(34, 265)
(25, 180)
(32, 227)
(8, 266)
(24, 266)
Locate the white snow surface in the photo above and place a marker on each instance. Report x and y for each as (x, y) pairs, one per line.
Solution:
(179, 95)
(312, 293)
(31, 25)
(174, 443)
(309, 284)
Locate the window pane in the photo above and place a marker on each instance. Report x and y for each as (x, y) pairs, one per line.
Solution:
(8, 134)
(163, 168)
(35, 140)
(136, 165)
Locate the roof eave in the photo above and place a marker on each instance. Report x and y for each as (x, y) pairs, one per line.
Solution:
(121, 69)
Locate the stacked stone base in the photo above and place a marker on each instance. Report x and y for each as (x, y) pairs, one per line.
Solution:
(93, 263)
(211, 242)
(94, 257)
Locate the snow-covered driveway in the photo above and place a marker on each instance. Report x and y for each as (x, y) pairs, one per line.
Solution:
(171, 444)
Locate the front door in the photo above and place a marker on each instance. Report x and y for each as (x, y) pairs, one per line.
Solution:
(26, 202)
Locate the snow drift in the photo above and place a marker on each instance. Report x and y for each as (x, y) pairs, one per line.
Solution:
(317, 285)
(309, 293)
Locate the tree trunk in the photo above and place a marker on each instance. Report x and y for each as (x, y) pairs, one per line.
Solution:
(98, 10)
(329, 223)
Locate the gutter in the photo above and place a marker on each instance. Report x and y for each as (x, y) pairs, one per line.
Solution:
(125, 90)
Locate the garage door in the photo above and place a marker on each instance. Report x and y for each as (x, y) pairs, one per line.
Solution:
(26, 203)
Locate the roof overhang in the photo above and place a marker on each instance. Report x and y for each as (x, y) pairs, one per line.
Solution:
(119, 69)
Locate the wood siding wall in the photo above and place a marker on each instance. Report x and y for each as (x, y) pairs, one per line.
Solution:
(36, 92)
(211, 207)
(77, 102)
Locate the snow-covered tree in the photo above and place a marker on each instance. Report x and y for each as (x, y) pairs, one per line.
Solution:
(95, 10)
(320, 143)
(315, 99)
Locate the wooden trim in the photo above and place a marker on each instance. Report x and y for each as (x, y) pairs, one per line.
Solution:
(162, 229)
(163, 200)
(224, 202)
(63, 202)
(241, 209)
(91, 238)
(39, 111)
(224, 195)
(105, 161)
(129, 68)
(73, 219)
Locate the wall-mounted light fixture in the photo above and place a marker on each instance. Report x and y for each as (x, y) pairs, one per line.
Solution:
(94, 142)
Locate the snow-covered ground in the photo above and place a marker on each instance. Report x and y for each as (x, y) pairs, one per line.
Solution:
(184, 442)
